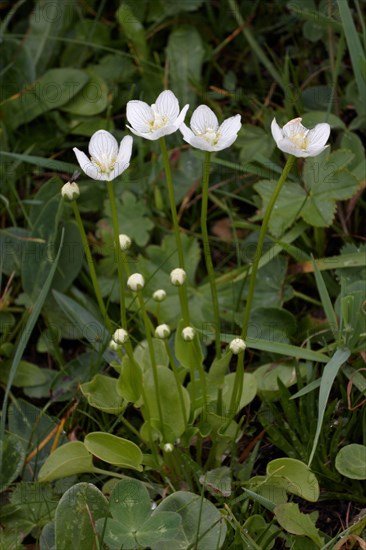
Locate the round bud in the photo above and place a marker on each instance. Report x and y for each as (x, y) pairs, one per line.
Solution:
(124, 242)
(70, 191)
(120, 336)
(168, 447)
(113, 345)
(159, 295)
(162, 331)
(136, 282)
(178, 276)
(188, 334)
(237, 346)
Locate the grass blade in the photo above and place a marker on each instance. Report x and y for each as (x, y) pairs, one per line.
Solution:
(329, 373)
(354, 45)
(36, 310)
(326, 301)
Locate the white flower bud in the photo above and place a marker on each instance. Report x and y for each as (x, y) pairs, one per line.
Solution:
(188, 334)
(159, 295)
(120, 336)
(124, 242)
(178, 276)
(168, 447)
(70, 191)
(136, 282)
(113, 345)
(237, 346)
(162, 331)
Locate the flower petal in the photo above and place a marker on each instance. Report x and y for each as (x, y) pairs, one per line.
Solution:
(167, 105)
(294, 127)
(86, 165)
(186, 132)
(139, 115)
(315, 150)
(276, 131)
(230, 128)
(123, 158)
(224, 143)
(202, 119)
(181, 116)
(319, 134)
(102, 146)
(287, 146)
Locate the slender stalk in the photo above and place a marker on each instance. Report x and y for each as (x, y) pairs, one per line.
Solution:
(262, 234)
(239, 375)
(153, 359)
(121, 274)
(207, 252)
(168, 174)
(89, 259)
(177, 381)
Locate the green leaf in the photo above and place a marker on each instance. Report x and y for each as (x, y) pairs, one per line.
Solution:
(52, 90)
(101, 393)
(295, 477)
(292, 520)
(132, 28)
(17, 66)
(79, 508)
(267, 377)
(185, 64)
(12, 456)
(133, 525)
(114, 450)
(309, 120)
(168, 395)
(202, 524)
(326, 301)
(351, 461)
(253, 141)
(27, 374)
(91, 100)
(248, 394)
(218, 481)
(70, 459)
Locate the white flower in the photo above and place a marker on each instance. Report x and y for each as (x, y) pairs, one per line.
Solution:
(159, 295)
(136, 282)
(237, 346)
(178, 276)
(70, 191)
(107, 161)
(168, 447)
(297, 140)
(205, 132)
(188, 334)
(120, 336)
(124, 242)
(162, 331)
(161, 119)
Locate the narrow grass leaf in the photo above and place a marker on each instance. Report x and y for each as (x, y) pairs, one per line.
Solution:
(329, 373)
(36, 310)
(326, 301)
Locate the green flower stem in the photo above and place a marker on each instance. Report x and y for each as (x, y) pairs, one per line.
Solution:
(168, 174)
(239, 375)
(177, 381)
(121, 274)
(89, 259)
(262, 234)
(153, 359)
(207, 252)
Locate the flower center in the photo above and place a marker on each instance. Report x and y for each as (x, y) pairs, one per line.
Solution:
(300, 140)
(159, 120)
(211, 136)
(105, 163)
